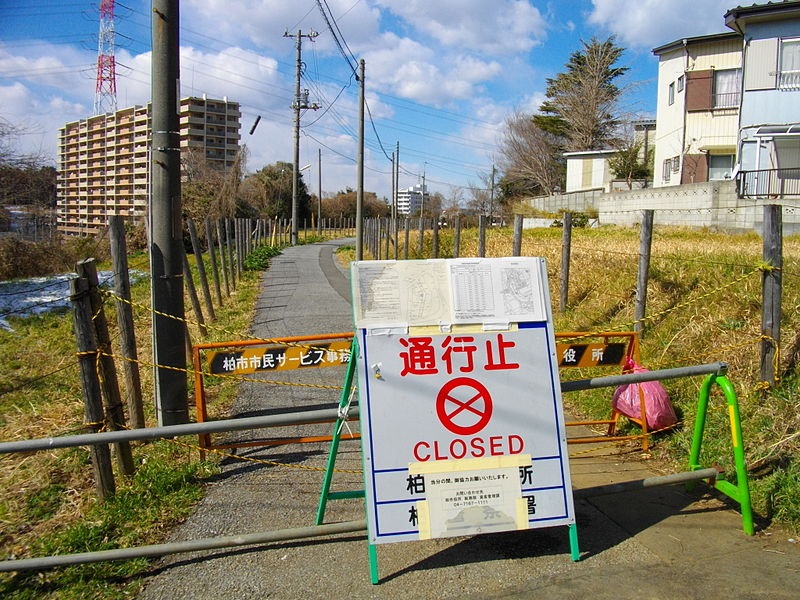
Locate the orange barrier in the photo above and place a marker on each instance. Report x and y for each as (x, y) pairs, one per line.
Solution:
(602, 349)
(247, 357)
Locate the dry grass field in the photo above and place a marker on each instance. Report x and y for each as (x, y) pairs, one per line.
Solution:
(703, 305)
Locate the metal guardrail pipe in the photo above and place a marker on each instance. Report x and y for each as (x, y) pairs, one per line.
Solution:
(230, 541)
(169, 431)
(717, 368)
(313, 416)
(627, 486)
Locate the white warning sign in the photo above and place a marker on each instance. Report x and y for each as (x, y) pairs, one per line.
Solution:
(462, 425)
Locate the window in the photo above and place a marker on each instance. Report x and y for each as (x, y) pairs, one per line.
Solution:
(676, 164)
(680, 83)
(726, 88)
(720, 166)
(789, 65)
(666, 170)
(699, 90)
(671, 93)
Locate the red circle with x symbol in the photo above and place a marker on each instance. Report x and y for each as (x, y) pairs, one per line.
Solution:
(464, 406)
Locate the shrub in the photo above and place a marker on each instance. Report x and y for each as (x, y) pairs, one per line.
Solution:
(258, 259)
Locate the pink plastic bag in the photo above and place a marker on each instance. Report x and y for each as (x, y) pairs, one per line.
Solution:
(657, 406)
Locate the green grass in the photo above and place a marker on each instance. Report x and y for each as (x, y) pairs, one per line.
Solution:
(161, 493)
(48, 504)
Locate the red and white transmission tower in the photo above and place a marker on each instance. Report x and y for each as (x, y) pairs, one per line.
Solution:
(105, 94)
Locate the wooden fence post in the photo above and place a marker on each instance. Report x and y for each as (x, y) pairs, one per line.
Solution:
(238, 238)
(406, 231)
(396, 236)
(213, 256)
(229, 249)
(127, 335)
(201, 269)
(93, 407)
(771, 290)
(645, 245)
(482, 236)
(457, 236)
(421, 239)
(388, 236)
(566, 254)
(198, 312)
(516, 244)
(109, 384)
(435, 242)
(223, 258)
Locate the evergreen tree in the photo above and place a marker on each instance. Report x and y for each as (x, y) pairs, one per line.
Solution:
(581, 105)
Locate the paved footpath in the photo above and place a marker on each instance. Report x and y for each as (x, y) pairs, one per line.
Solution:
(661, 543)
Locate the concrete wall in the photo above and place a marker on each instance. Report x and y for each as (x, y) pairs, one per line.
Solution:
(573, 201)
(712, 204)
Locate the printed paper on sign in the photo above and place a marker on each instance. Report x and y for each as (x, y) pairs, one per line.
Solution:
(471, 496)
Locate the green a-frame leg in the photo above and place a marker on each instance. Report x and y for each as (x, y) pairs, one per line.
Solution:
(326, 493)
(739, 492)
(344, 404)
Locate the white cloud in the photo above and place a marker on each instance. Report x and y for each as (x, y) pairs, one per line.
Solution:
(472, 70)
(494, 28)
(406, 68)
(264, 22)
(38, 117)
(44, 64)
(233, 68)
(651, 23)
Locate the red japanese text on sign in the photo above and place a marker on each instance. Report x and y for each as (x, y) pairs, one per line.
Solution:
(422, 357)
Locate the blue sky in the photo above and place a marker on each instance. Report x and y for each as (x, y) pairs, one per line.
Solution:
(442, 75)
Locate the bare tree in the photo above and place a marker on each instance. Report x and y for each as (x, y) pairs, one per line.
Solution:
(24, 177)
(530, 157)
(479, 199)
(343, 204)
(10, 156)
(208, 191)
(453, 203)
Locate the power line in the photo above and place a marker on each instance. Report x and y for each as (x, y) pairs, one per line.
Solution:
(336, 37)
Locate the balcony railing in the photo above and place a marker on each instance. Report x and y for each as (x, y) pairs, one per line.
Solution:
(769, 183)
(727, 100)
(789, 80)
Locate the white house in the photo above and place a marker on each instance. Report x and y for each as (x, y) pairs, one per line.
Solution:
(769, 122)
(697, 109)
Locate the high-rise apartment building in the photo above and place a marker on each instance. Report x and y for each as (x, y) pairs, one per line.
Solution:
(104, 161)
(411, 200)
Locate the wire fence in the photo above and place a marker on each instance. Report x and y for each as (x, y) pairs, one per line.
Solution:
(384, 238)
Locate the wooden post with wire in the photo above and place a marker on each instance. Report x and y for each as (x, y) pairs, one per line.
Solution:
(93, 404)
(107, 371)
(771, 283)
(127, 335)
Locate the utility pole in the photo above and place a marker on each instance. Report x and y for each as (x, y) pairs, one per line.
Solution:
(319, 197)
(394, 205)
(300, 103)
(165, 223)
(491, 198)
(422, 202)
(360, 183)
(396, 178)
(421, 239)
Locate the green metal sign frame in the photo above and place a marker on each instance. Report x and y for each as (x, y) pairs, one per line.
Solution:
(740, 491)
